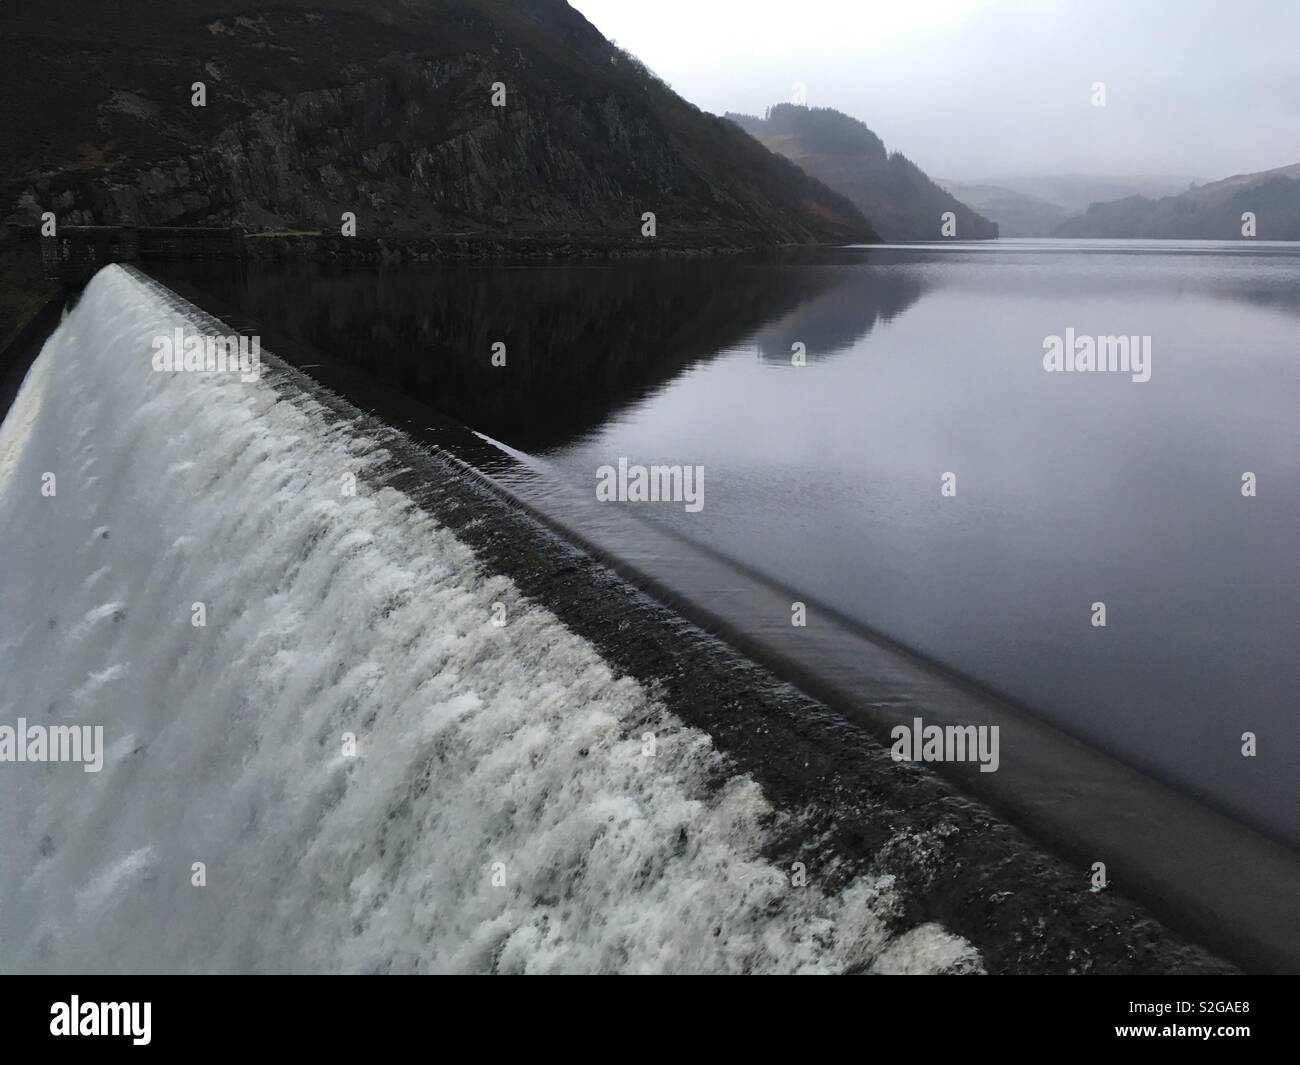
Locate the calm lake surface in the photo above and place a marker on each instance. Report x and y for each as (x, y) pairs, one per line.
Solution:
(1071, 488)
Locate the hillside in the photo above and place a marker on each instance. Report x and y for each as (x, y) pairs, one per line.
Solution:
(1208, 212)
(383, 108)
(1017, 214)
(1075, 192)
(891, 190)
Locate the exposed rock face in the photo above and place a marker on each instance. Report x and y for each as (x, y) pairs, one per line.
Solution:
(384, 109)
(891, 190)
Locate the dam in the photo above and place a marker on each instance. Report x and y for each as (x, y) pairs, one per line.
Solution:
(496, 807)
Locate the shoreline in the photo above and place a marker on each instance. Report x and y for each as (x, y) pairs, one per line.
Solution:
(333, 247)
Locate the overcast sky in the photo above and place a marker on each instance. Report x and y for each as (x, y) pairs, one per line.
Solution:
(973, 89)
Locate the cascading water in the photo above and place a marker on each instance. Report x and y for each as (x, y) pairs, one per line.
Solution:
(320, 751)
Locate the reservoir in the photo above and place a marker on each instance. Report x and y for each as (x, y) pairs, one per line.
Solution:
(924, 366)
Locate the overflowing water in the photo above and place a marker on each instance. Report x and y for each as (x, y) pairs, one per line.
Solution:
(880, 434)
(321, 751)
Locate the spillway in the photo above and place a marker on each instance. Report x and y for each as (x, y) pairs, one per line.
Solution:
(323, 751)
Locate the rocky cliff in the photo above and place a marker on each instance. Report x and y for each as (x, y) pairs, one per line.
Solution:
(422, 117)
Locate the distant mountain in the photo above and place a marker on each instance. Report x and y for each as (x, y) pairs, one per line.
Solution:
(1016, 214)
(1036, 206)
(383, 108)
(1074, 192)
(1206, 212)
(891, 190)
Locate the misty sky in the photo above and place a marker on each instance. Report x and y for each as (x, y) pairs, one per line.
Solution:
(973, 89)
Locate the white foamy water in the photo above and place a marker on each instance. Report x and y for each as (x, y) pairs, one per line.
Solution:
(499, 813)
